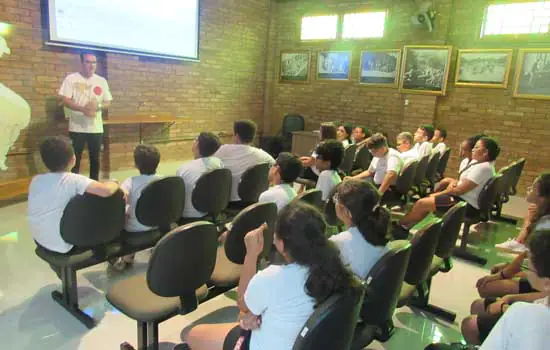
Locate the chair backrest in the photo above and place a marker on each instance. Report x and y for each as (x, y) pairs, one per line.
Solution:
(383, 284)
(424, 243)
(292, 122)
(363, 159)
(90, 221)
(431, 170)
(489, 193)
(313, 197)
(161, 202)
(507, 172)
(332, 324)
(442, 166)
(347, 162)
(247, 220)
(182, 261)
(450, 228)
(406, 177)
(212, 191)
(253, 182)
(420, 174)
(330, 209)
(518, 170)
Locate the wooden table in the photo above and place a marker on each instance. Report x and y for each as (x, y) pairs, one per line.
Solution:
(303, 142)
(140, 120)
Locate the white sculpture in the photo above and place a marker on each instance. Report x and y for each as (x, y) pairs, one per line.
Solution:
(15, 114)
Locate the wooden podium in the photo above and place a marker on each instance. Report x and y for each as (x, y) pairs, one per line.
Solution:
(303, 142)
(141, 120)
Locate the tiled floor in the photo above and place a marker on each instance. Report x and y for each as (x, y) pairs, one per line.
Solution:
(29, 319)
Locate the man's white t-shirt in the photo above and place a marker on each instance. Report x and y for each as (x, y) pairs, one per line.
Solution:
(190, 172)
(523, 326)
(478, 173)
(49, 194)
(82, 90)
(133, 187)
(409, 155)
(281, 195)
(391, 161)
(356, 252)
(278, 294)
(238, 158)
(424, 149)
(327, 180)
(441, 148)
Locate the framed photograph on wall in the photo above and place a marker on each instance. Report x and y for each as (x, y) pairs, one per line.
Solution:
(483, 68)
(294, 66)
(333, 65)
(380, 67)
(533, 74)
(425, 69)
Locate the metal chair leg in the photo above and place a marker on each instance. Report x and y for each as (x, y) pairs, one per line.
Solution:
(68, 297)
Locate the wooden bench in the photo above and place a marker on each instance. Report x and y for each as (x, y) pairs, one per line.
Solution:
(14, 190)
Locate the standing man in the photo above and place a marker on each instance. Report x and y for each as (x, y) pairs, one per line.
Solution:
(85, 95)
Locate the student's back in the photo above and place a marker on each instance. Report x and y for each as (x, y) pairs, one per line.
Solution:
(133, 186)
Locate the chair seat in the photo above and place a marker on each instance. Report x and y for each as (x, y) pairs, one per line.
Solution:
(133, 298)
(407, 290)
(143, 239)
(226, 273)
(81, 259)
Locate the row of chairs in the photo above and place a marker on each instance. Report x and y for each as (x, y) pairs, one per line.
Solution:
(511, 175)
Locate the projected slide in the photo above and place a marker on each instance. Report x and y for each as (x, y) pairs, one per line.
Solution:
(163, 27)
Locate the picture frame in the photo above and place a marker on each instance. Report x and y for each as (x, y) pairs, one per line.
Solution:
(533, 74)
(380, 68)
(425, 69)
(294, 66)
(334, 65)
(483, 68)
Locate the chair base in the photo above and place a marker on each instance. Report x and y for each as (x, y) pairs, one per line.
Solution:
(385, 332)
(73, 310)
(463, 254)
(437, 311)
(148, 337)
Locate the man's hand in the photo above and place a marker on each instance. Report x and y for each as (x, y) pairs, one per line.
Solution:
(306, 161)
(498, 307)
(91, 108)
(498, 267)
(248, 321)
(482, 282)
(254, 241)
(531, 213)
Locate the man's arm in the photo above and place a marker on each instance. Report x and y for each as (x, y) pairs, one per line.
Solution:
(69, 103)
(362, 175)
(465, 186)
(102, 189)
(389, 179)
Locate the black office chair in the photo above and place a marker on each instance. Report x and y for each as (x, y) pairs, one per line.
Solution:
(442, 260)
(431, 171)
(420, 175)
(362, 160)
(506, 185)
(211, 195)
(442, 166)
(313, 197)
(383, 285)
(518, 170)
(332, 324)
(347, 163)
(282, 142)
(486, 199)
(399, 194)
(178, 269)
(253, 182)
(93, 224)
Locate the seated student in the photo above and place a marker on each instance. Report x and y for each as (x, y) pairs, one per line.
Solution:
(367, 224)
(467, 187)
(204, 147)
(440, 135)
(50, 193)
(282, 175)
(360, 134)
(241, 155)
(343, 134)
(405, 147)
(330, 154)
(385, 165)
(422, 137)
(276, 302)
(526, 325)
(327, 131)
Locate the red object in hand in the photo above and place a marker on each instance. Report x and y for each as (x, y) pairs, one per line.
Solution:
(97, 90)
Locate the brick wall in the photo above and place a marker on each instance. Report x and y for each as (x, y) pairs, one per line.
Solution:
(521, 126)
(227, 84)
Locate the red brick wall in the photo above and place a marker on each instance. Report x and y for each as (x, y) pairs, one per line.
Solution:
(226, 85)
(520, 125)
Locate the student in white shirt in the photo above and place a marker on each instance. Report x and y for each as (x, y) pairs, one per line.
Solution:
(85, 95)
(282, 175)
(385, 165)
(241, 155)
(360, 133)
(440, 135)
(364, 241)
(343, 134)
(276, 302)
(466, 188)
(204, 147)
(327, 131)
(330, 154)
(405, 146)
(50, 193)
(422, 137)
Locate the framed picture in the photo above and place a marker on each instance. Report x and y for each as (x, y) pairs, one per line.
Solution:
(425, 69)
(294, 66)
(533, 74)
(333, 65)
(380, 67)
(483, 68)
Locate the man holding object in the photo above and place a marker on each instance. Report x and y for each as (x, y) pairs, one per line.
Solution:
(85, 95)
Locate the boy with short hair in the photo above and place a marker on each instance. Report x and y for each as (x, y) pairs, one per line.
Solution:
(282, 175)
(440, 135)
(422, 137)
(330, 154)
